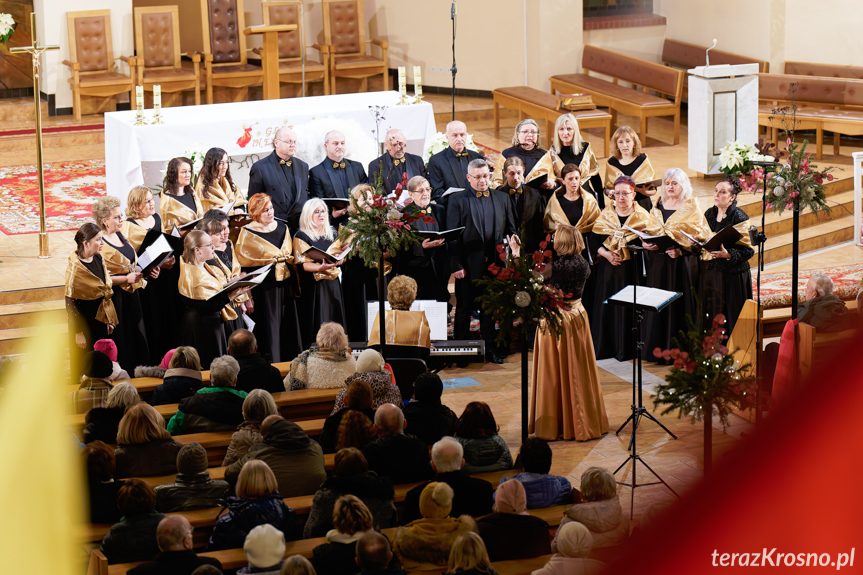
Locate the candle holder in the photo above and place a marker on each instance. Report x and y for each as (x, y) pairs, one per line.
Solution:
(418, 86)
(139, 106)
(157, 105)
(403, 88)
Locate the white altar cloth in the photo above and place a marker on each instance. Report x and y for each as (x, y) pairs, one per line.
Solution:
(245, 128)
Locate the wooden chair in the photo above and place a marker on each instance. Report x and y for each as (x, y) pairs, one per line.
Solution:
(344, 33)
(292, 46)
(92, 59)
(157, 44)
(225, 62)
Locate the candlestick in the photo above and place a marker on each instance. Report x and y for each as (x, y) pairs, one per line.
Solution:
(139, 106)
(403, 88)
(157, 104)
(418, 85)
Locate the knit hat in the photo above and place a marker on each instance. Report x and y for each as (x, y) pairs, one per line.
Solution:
(192, 459)
(510, 498)
(574, 540)
(98, 365)
(108, 347)
(166, 361)
(428, 387)
(370, 360)
(264, 546)
(436, 500)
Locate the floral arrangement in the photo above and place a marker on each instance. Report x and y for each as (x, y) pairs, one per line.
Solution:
(439, 143)
(378, 227)
(7, 27)
(516, 292)
(736, 158)
(197, 153)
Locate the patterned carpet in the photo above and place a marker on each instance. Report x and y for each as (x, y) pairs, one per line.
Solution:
(776, 288)
(70, 190)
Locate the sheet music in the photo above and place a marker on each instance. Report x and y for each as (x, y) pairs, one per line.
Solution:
(696, 242)
(435, 314)
(227, 209)
(154, 252)
(646, 296)
(451, 191)
(250, 323)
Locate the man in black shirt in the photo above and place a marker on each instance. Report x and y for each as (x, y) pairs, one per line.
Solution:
(336, 176)
(395, 162)
(255, 371)
(283, 177)
(175, 557)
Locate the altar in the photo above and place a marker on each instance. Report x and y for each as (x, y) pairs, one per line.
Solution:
(135, 155)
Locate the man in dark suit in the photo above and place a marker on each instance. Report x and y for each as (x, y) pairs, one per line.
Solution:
(447, 169)
(282, 177)
(487, 219)
(426, 261)
(336, 176)
(395, 162)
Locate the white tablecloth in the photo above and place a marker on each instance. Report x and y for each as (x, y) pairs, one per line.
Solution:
(246, 128)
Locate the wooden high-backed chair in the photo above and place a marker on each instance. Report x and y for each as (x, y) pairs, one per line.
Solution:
(225, 62)
(344, 33)
(92, 59)
(292, 45)
(157, 43)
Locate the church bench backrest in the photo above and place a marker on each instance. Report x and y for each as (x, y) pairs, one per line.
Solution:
(685, 55)
(824, 70)
(638, 72)
(811, 89)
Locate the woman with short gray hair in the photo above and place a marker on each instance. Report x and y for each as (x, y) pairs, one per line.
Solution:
(217, 407)
(102, 422)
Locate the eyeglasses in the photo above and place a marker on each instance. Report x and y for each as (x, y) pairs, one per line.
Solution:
(484, 176)
(621, 194)
(288, 142)
(528, 132)
(206, 246)
(319, 212)
(190, 531)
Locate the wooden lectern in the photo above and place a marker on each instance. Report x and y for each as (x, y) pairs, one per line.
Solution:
(270, 56)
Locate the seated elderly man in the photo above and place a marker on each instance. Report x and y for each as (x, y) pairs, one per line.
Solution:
(823, 310)
(175, 557)
(255, 371)
(374, 555)
(400, 457)
(472, 496)
(217, 407)
(408, 332)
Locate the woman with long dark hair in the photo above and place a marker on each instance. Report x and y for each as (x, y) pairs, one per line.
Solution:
(214, 185)
(179, 204)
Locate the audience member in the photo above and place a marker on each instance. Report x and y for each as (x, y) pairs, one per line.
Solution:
(484, 450)
(297, 565)
(427, 417)
(426, 543)
(374, 555)
(109, 348)
(207, 570)
(468, 556)
(175, 557)
(134, 537)
(255, 371)
(101, 423)
(181, 379)
(218, 407)
(265, 551)
(371, 368)
(600, 512)
(823, 310)
(257, 406)
(94, 388)
(257, 502)
(99, 461)
(542, 489)
(144, 446)
(473, 496)
(574, 544)
(509, 531)
(400, 458)
(193, 488)
(351, 476)
(326, 364)
(356, 416)
(296, 461)
(351, 520)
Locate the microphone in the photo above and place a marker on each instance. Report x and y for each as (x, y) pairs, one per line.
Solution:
(452, 11)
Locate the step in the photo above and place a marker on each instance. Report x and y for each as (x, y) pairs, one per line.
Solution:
(19, 109)
(53, 140)
(16, 341)
(32, 295)
(812, 238)
(24, 315)
(751, 203)
(841, 205)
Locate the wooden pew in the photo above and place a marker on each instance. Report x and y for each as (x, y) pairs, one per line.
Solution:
(774, 320)
(648, 75)
(817, 349)
(685, 56)
(823, 70)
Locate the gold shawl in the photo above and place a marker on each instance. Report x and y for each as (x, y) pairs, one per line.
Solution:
(82, 284)
(404, 327)
(220, 195)
(201, 284)
(548, 165)
(118, 265)
(608, 224)
(743, 228)
(644, 173)
(300, 249)
(254, 251)
(688, 218)
(174, 212)
(588, 167)
(232, 273)
(134, 234)
(555, 216)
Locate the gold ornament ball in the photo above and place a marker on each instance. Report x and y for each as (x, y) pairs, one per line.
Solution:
(522, 299)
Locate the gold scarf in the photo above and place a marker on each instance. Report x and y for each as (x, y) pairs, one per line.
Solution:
(174, 212)
(608, 224)
(688, 218)
(221, 194)
(644, 173)
(548, 165)
(300, 249)
(554, 215)
(743, 228)
(201, 284)
(118, 265)
(134, 234)
(232, 273)
(588, 167)
(82, 284)
(403, 327)
(254, 251)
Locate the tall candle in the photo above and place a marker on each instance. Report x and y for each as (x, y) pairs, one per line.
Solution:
(139, 98)
(157, 99)
(418, 84)
(403, 89)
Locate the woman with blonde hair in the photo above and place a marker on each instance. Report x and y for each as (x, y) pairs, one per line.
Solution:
(178, 202)
(297, 565)
(321, 297)
(257, 501)
(324, 365)
(102, 423)
(351, 520)
(627, 159)
(469, 556)
(407, 332)
(215, 187)
(572, 148)
(144, 446)
(257, 406)
(538, 164)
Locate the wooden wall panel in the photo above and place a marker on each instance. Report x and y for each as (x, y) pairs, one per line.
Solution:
(16, 70)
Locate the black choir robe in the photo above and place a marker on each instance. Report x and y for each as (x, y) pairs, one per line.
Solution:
(447, 171)
(528, 208)
(429, 267)
(324, 181)
(411, 164)
(287, 186)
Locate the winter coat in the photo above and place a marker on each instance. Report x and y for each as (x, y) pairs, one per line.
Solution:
(471, 496)
(245, 514)
(376, 492)
(296, 460)
(174, 563)
(485, 454)
(425, 544)
(607, 522)
(826, 313)
(103, 501)
(316, 369)
(544, 490)
(509, 536)
(101, 424)
(133, 539)
(177, 384)
(258, 373)
(92, 393)
(399, 457)
(383, 389)
(144, 459)
(245, 437)
(429, 421)
(560, 565)
(191, 492)
(338, 555)
(209, 409)
(330, 434)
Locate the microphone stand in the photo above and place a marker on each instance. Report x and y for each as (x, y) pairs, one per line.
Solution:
(454, 69)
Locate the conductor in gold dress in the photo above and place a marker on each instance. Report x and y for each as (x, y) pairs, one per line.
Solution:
(215, 187)
(567, 397)
(408, 332)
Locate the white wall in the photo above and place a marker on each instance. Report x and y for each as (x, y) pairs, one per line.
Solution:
(645, 42)
(827, 32)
